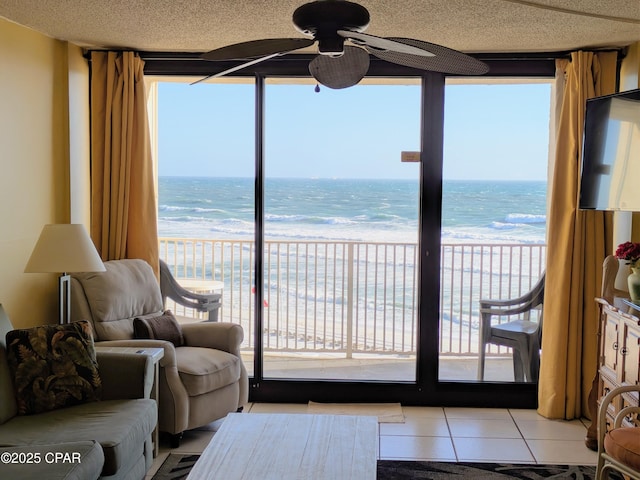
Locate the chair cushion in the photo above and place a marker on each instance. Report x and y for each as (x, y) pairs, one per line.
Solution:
(53, 366)
(203, 370)
(76, 461)
(162, 327)
(623, 444)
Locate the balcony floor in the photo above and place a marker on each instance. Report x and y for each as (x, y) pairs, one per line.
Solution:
(376, 367)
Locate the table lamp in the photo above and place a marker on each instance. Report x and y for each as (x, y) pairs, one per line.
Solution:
(64, 247)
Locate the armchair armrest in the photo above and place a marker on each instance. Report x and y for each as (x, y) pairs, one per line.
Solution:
(486, 309)
(526, 301)
(138, 381)
(221, 336)
(201, 302)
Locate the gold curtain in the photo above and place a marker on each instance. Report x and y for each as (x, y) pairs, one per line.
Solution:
(123, 199)
(578, 242)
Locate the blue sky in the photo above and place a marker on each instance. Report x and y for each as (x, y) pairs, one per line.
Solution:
(492, 132)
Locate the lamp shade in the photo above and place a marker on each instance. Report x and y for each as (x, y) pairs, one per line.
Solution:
(64, 247)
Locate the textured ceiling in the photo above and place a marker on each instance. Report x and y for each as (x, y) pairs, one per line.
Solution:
(202, 25)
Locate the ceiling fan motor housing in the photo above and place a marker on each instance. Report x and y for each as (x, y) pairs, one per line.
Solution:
(323, 18)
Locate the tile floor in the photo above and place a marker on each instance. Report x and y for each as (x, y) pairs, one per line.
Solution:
(449, 434)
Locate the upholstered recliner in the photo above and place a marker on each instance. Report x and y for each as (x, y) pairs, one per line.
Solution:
(200, 381)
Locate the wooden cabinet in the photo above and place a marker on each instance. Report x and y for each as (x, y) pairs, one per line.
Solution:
(619, 353)
(618, 363)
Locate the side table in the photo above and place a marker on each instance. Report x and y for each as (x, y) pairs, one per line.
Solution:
(156, 355)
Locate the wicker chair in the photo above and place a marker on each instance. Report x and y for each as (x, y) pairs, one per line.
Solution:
(619, 448)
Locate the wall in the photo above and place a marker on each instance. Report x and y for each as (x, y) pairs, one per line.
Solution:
(35, 146)
(630, 80)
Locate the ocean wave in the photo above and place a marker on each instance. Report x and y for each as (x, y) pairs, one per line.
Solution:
(175, 208)
(309, 219)
(172, 208)
(208, 210)
(476, 235)
(520, 218)
(505, 226)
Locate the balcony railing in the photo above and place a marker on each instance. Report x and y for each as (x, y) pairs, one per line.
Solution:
(354, 297)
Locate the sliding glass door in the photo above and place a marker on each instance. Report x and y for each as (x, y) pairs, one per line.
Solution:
(494, 204)
(353, 232)
(341, 212)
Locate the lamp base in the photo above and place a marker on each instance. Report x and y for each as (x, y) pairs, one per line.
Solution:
(64, 299)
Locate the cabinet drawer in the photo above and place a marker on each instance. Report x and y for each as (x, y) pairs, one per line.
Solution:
(605, 387)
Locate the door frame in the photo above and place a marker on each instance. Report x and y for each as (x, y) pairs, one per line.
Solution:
(427, 389)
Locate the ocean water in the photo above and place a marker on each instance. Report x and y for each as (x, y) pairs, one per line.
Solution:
(305, 283)
(350, 209)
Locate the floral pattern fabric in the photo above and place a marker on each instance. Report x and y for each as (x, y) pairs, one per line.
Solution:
(53, 366)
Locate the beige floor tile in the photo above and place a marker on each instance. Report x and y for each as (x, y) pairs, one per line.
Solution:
(492, 450)
(417, 426)
(479, 413)
(278, 408)
(211, 427)
(489, 428)
(562, 452)
(423, 412)
(479, 434)
(416, 448)
(552, 429)
(194, 441)
(526, 414)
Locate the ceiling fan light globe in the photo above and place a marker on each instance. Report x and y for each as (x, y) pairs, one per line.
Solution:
(341, 72)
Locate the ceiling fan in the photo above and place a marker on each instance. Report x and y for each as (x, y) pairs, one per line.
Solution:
(331, 23)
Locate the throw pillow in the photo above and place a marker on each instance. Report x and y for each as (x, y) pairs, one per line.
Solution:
(162, 327)
(53, 366)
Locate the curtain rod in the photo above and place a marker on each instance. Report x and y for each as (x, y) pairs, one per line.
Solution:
(565, 54)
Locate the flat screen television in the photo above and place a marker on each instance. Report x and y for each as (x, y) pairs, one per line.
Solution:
(610, 177)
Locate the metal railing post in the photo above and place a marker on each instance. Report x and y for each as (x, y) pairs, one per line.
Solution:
(350, 300)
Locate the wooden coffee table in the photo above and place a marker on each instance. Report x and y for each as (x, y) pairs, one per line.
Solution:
(291, 446)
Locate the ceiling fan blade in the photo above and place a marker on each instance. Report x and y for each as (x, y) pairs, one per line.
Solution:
(444, 59)
(258, 48)
(343, 71)
(238, 67)
(380, 43)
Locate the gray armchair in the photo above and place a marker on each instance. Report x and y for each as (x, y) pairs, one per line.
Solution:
(201, 380)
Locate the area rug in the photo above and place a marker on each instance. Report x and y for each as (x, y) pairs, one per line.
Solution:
(386, 412)
(409, 470)
(177, 467)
